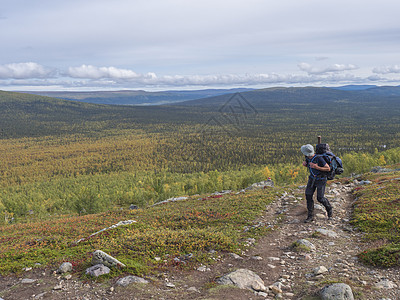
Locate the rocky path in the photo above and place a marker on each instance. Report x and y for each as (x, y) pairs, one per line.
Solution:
(278, 266)
(290, 272)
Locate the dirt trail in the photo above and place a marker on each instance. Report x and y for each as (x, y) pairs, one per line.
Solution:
(272, 258)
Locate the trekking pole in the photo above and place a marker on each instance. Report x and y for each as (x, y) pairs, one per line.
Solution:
(319, 139)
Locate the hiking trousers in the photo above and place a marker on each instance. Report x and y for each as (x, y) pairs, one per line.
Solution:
(319, 185)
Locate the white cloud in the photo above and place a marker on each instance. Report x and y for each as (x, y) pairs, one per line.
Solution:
(326, 69)
(24, 70)
(387, 69)
(92, 72)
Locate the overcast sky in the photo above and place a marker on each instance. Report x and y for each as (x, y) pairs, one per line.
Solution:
(184, 44)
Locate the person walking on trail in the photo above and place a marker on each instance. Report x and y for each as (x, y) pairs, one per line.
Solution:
(317, 165)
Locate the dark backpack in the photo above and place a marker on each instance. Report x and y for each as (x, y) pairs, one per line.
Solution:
(334, 162)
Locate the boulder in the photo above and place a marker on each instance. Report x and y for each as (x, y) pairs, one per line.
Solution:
(97, 270)
(100, 257)
(337, 291)
(130, 279)
(243, 279)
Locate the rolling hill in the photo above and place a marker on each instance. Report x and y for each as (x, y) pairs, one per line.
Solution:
(128, 97)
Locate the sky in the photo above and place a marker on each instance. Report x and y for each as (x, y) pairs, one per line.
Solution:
(186, 44)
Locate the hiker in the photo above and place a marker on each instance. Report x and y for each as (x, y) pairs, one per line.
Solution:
(316, 181)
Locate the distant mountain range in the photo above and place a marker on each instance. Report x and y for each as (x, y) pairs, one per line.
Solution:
(289, 98)
(137, 97)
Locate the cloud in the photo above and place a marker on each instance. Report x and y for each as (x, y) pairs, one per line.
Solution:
(24, 71)
(387, 69)
(327, 69)
(33, 75)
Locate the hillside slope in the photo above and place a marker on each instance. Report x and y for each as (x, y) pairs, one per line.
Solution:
(188, 244)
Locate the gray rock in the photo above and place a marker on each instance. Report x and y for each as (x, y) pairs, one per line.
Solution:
(58, 287)
(97, 270)
(260, 185)
(262, 294)
(132, 207)
(327, 232)
(65, 267)
(363, 182)
(385, 284)
(193, 289)
(174, 199)
(379, 169)
(38, 296)
(235, 256)
(243, 279)
(130, 279)
(337, 291)
(203, 269)
(28, 280)
(304, 244)
(320, 270)
(100, 257)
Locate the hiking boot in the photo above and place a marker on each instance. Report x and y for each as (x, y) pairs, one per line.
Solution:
(309, 219)
(329, 212)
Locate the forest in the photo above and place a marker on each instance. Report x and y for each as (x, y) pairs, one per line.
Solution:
(64, 157)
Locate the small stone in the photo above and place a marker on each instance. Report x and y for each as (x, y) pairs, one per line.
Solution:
(304, 244)
(65, 267)
(276, 290)
(170, 285)
(203, 269)
(58, 287)
(273, 258)
(157, 258)
(28, 280)
(271, 266)
(97, 270)
(235, 256)
(262, 294)
(193, 289)
(289, 295)
(326, 232)
(258, 286)
(38, 296)
(130, 279)
(68, 277)
(320, 270)
(256, 258)
(385, 284)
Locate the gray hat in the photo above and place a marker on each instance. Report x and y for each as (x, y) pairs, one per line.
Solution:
(307, 150)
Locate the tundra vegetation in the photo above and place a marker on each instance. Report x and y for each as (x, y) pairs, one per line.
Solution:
(65, 163)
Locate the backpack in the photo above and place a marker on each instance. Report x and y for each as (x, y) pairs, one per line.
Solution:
(334, 162)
